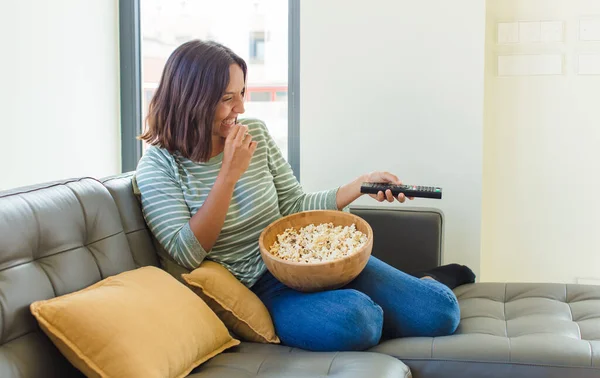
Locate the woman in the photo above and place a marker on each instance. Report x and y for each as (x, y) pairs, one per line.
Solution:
(209, 185)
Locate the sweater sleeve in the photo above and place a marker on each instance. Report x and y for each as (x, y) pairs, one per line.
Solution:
(166, 211)
(291, 197)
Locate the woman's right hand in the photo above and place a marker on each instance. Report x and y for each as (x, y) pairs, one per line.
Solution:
(238, 151)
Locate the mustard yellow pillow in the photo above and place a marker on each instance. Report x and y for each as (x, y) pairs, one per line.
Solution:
(236, 305)
(141, 323)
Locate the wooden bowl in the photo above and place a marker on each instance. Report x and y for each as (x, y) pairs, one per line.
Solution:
(311, 277)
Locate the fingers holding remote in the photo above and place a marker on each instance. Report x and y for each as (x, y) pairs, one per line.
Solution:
(385, 191)
(385, 196)
(389, 196)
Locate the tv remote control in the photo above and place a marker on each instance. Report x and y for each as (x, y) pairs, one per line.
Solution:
(408, 190)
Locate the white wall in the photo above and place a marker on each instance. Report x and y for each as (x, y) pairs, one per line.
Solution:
(541, 210)
(397, 85)
(59, 76)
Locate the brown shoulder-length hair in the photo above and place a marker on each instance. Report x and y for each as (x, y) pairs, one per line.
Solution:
(182, 110)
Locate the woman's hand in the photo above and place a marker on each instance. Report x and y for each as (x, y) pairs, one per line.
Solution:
(207, 222)
(385, 177)
(346, 194)
(238, 151)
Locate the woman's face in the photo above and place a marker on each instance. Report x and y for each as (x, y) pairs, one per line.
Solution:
(231, 104)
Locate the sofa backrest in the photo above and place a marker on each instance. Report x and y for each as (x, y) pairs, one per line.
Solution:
(57, 238)
(140, 240)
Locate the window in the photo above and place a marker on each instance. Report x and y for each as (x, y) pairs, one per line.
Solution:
(257, 47)
(257, 30)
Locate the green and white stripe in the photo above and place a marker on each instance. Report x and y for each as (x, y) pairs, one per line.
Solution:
(173, 188)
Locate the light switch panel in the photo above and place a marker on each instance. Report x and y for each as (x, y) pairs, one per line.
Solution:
(552, 31)
(589, 30)
(530, 65)
(589, 64)
(508, 32)
(529, 32)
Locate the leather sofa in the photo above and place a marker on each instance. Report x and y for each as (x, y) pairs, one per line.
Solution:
(59, 237)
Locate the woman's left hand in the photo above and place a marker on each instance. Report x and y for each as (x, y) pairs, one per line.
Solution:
(379, 176)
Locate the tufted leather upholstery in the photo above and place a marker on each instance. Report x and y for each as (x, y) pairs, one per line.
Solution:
(307, 364)
(415, 234)
(528, 330)
(140, 240)
(60, 237)
(54, 239)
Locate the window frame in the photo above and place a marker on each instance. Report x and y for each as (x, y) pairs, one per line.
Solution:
(131, 84)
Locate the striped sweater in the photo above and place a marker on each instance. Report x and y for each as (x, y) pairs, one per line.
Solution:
(173, 188)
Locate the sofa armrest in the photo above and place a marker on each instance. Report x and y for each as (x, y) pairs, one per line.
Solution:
(409, 239)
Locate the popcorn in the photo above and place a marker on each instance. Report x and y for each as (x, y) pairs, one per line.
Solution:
(324, 242)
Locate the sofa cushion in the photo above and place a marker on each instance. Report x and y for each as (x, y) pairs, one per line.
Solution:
(236, 305)
(516, 330)
(140, 323)
(280, 363)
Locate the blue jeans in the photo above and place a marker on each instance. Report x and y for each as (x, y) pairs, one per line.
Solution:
(381, 302)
